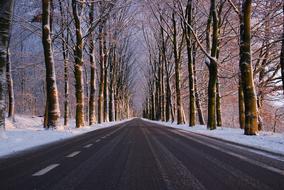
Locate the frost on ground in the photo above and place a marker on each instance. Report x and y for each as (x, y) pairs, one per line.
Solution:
(27, 132)
(265, 140)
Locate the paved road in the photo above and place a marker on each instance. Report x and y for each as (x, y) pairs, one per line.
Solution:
(139, 155)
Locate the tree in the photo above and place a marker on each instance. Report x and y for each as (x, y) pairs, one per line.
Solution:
(6, 12)
(52, 108)
(250, 100)
(92, 108)
(78, 70)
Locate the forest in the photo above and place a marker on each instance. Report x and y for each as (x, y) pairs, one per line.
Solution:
(200, 62)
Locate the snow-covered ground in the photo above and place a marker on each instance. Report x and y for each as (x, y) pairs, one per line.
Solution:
(27, 132)
(265, 140)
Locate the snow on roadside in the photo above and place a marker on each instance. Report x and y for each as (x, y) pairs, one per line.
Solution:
(27, 132)
(273, 142)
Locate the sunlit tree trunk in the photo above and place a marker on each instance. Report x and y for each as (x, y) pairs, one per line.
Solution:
(250, 100)
(78, 70)
(52, 108)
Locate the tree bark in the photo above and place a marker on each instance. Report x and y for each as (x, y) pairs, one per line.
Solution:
(282, 54)
(213, 67)
(92, 100)
(241, 105)
(65, 54)
(52, 108)
(177, 72)
(190, 66)
(101, 82)
(10, 85)
(78, 71)
(250, 100)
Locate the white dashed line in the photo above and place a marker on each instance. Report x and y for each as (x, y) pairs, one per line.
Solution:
(98, 140)
(45, 170)
(88, 145)
(73, 154)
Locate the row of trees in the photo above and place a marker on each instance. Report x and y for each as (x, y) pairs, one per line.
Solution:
(198, 33)
(92, 40)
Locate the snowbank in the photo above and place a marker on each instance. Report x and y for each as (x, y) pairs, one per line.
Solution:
(269, 141)
(27, 132)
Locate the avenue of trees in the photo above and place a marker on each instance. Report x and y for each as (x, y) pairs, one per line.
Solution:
(88, 58)
(208, 62)
(201, 52)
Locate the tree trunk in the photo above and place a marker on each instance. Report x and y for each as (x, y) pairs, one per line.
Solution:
(105, 87)
(78, 71)
(213, 67)
(92, 100)
(241, 105)
(65, 54)
(250, 100)
(52, 108)
(282, 54)
(190, 66)
(10, 85)
(101, 82)
(177, 72)
(218, 104)
(111, 83)
(197, 99)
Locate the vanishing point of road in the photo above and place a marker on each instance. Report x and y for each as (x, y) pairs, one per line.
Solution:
(140, 155)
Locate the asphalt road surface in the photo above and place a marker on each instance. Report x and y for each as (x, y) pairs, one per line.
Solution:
(139, 155)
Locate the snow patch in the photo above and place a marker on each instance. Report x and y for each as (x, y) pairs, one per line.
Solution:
(27, 132)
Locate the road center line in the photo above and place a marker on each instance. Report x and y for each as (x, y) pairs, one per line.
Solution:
(88, 145)
(73, 154)
(45, 170)
(98, 140)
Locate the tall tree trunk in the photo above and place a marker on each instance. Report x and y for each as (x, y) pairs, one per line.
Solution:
(10, 85)
(105, 87)
(111, 83)
(78, 71)
(190, 66)
(177, 72)
(65, 54)
(282, 53)
(101, 82)
(52, 108)
(92, 100)
(213, 67)
(250, 100)
(197, 99)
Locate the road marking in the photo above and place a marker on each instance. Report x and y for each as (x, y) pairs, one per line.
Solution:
(73, 154)
(88, 145)
(98, 140)
(45, 170)
(103, 137)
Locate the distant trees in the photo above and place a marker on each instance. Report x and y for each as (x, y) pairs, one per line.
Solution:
(6, 13)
